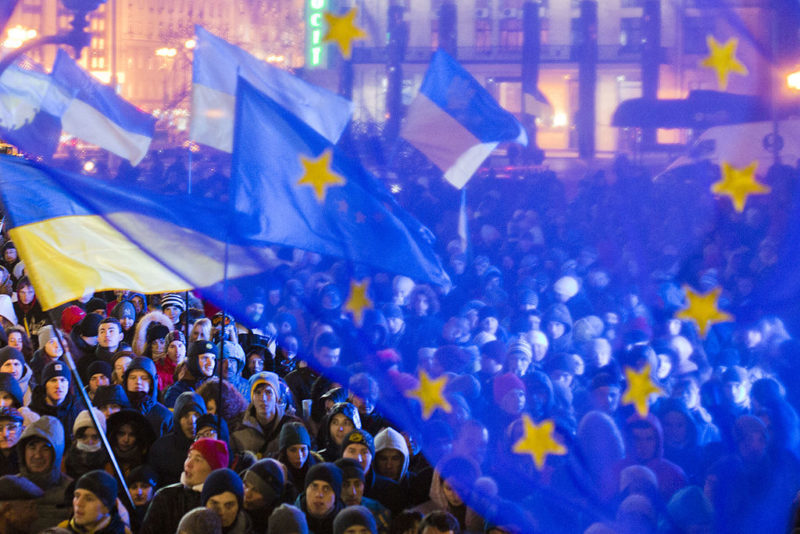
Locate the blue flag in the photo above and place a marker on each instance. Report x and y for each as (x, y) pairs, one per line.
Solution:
(455, 122)
(217, 63)
(292, 187)
(6, 10)
(94, 113)
(24, 118)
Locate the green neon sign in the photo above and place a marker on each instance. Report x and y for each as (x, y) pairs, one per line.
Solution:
(315, 28)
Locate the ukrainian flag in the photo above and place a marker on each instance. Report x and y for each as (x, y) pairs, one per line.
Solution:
(79, 235)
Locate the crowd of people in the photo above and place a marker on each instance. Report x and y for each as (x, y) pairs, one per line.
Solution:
(280, 421)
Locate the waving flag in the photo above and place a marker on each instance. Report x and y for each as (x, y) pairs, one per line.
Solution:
(292, 187)
(97, 115)
(455, 122)
(217, 63)
(24, 118)
(78, 234)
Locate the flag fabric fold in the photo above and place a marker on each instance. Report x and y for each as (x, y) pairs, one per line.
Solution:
(94, 113)
(292, 187)
(216, 65)
(26, 121)
(455, 122)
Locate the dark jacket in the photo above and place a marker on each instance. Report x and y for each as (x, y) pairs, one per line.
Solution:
(66, 412)
(168, 507)
(315, 525)
(158, 415)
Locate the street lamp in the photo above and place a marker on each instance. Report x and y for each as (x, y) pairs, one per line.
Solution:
(77, 37)
(18, 35)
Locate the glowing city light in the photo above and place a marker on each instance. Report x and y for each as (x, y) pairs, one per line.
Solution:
(166, 52)
(793, 80)
(18, 35)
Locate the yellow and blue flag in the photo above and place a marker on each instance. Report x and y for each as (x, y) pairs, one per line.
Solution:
(455, 122)
(292, 187)
(215, 68)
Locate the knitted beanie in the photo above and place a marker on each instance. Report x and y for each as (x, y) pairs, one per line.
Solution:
(99, 367)
(266, 476)
(354, 516)
(293, 434)
(84, 420)
(54, 369)
(70, 317)
(10, 353)
(102, 485)
(45, 334)
(361, 437)
(350, 469)
(156, 331)
(89, 325)
(10, 385)
(265, 377)
(220, 481)
(214, 451)
(287, 519)
(505, 383)
(173, 299)
(326, 472)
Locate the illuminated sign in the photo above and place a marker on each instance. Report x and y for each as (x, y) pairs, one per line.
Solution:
(315, 22)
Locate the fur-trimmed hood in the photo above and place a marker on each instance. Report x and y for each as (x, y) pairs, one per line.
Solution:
(140, 336)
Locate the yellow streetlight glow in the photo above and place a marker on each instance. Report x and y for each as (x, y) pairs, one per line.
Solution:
(793, 80)
(190, 44)
(166, 52)
(18, 35)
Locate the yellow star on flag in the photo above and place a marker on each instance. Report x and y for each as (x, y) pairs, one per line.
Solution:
(739, 183)
(342, 30)
(358, 301)
(431, 394)
(640, 387)
(538, 441)
(319, 175)
(703, 309)
(722, 58)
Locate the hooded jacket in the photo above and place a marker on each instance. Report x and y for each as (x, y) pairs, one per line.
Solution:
(252, 437)
(159, 417)
(396, 495)
(169, 451)
(468, 518)
(66, 412)
(140, 335)
(53, 506)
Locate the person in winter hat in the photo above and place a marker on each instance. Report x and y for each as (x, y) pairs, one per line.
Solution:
(340, 420)
(110, 399)
(353, 493)
(53, 397)
(169, 450)
(141, 386)
(321, 502)
(173, 501)
(201, 363)
(12, 361)
(151, 329)
(11, 396)
(142, 483)
(287, 519)
(296, 456)
(223, 492)
(13, 421)
(354, 516)
(40, 450)
(86, 452)
(173, 305)
(130, 436)
(263, 492)
(94, 506)
(175, 355)
(124, 312)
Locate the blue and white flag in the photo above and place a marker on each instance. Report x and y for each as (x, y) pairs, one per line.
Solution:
(214, 72)
(94, 113)
(455, 122)
(25, 118)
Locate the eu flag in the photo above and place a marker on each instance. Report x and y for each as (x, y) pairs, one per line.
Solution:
(292, 187)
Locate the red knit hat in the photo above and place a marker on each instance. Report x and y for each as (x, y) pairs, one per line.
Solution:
(70, 317)
(505, 383)
(214, 451)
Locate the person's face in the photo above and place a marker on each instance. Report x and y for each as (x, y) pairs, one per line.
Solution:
(226, 506)
(359, 453)
(6, 400)
(10, 432)
(88, 510)
(327, 356)
(109, 336)
(297, 455)
(138, 304)
(489, 325)
(255, 310)
(126, 438)
(735, 392)
(189, 423)
(320, 498)
(561, 376)
(555, 329)
(126, 323)
(15, 340)
(253, 499)
(690, 394)
(206, 432)
(10, 255)
(97, 380)
(25, 294)
(451, 495)
(601, 352)
(206, 362)
(56, 389)
(265, 401)
(90, 437)
(513, 402)
(356, 529)
(352, 491)
(176, 351)
(12, 366)
(753, 446)
(255, 363)
(173, 312)
(606, 399)
(158, 345)
(139, 380)
(421, 305)
(120, 365)
(395, 324)
(53, 348)
(39, 456)
(141, 493)
(195, 469)
(389, 463)
(340, 426)
(518, 363)
(645, 443)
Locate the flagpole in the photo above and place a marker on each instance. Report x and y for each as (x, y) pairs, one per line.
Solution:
(103, 438)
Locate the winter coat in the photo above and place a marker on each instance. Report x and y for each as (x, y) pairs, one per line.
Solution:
(252, 437)
(316, 525)
(168, 454)
(168, 507)
(166, 373)
(115, 526)
(32, 318)
(66, 412)
(53, 507)
(140, 335)
(158, 415)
